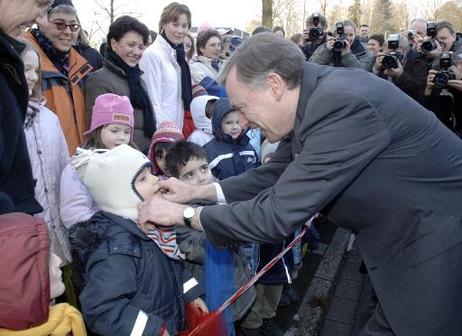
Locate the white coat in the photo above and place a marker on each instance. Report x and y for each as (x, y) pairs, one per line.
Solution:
(162, 75)
(48, 154)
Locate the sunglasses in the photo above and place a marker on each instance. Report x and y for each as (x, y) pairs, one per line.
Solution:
(63, 26)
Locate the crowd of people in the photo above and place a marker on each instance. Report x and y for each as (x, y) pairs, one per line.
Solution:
(92, 143)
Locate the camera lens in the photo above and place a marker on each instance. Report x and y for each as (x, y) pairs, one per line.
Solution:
(441, 80)
(389, 62)
(339, 45)
(314, 33)
(428, 46)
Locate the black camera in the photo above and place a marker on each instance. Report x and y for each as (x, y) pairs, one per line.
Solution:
(445, 74)
(430, 45)
(315, 32)
(391, 59)
(340, 42)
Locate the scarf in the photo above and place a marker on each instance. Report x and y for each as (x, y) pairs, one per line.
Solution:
(165, 239)
(59, 59)
(33, 109)
(186, 85)
(138, 95)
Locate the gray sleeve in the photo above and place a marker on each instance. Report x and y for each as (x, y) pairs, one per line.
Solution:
(350, 61)
(321, 56)
(249, 184)
(191, 244)
(347, 136)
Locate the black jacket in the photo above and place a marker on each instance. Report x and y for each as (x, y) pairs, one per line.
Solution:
(129, 279)
(414, 78)
(16, 181)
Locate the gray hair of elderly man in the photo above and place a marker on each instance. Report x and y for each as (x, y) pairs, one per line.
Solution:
(262, 54)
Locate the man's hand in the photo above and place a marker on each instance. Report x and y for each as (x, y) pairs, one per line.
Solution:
(456, 84)
(180, 192)
(395, 73)
(347, 48)
(330, 43)
(177, 191)
(199, 303)
(158, 211)
(430, 84)
(378, 62)
(435, 53)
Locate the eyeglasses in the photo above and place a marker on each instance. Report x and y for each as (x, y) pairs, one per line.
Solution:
(62, 26)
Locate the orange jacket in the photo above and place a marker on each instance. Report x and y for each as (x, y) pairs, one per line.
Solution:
(69, 105)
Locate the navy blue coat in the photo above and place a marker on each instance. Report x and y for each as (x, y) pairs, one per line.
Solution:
(228, 157)
(131, 284)
(16, 181)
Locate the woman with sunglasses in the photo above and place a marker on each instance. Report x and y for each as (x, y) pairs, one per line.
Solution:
(63, 69)
(121, 75)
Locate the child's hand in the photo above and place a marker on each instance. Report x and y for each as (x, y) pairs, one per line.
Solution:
(199, 303)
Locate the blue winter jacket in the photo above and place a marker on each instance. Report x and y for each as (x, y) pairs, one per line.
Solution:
(131, 286)
(228, 157)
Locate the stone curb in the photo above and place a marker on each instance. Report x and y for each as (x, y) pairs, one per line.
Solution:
(316, 300)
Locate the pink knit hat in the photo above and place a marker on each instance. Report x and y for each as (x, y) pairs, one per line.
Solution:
(110, 108)
(167, 132)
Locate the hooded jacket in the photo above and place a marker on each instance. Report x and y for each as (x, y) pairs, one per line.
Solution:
(48, 154)
(228, 157)
(203, 132)
(150, 291)
(65, 95)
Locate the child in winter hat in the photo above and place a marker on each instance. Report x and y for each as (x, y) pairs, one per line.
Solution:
(112, 125)
(167, 133)
(201, 112)
(119, 180)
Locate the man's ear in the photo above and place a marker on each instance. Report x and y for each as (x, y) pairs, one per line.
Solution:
(276, 84)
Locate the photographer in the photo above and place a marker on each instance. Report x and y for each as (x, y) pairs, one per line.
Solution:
(403, 66)
(417, 30)
(345, 50)
(314, 35)
(441, 37)
(443, 92)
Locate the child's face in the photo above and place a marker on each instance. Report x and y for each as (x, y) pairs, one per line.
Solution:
(195, 172)
(230, 125)
(159, 156)
(147, 184)
(114, 135)
(31, 66)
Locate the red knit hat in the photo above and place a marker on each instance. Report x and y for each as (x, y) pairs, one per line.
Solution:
(167, 132)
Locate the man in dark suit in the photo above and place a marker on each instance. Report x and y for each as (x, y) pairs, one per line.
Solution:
(356, 148)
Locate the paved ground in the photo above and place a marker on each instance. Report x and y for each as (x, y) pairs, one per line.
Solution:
(314, 282)
(343, 317)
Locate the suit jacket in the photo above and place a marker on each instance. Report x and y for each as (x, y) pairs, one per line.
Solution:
(374, 161)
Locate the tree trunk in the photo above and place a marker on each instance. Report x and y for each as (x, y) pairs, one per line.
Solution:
(267, 13)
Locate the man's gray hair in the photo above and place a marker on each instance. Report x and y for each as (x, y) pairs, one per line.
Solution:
(262, 54)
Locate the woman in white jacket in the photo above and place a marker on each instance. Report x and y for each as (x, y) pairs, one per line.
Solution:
(166, 71)
(208, 62)
(48, 153)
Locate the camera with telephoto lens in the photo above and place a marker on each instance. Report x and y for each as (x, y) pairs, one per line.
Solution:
(445, 74)
(315, 32)
(430, 44)
(340, 42)
(391, 59)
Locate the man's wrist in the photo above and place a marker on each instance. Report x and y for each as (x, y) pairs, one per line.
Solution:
(196, 221)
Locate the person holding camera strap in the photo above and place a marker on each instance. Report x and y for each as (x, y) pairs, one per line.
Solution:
(443, 92)
(315, 34)
(345, 50)
(403, 66)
